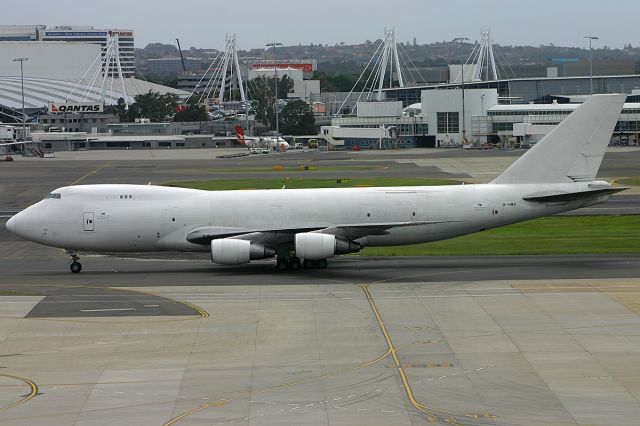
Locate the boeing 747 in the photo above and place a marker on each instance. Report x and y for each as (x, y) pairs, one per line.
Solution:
(308, 226)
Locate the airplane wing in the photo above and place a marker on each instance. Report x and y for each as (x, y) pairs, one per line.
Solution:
(204, 235)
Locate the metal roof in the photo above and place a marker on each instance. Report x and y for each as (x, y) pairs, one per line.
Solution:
(38, 92)
(549, 107)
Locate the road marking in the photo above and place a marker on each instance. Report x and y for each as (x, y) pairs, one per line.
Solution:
(151, 306)
(93, 172)
(31, 394)
(107, 310)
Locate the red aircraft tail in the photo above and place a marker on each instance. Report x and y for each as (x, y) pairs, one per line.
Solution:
(240, 136)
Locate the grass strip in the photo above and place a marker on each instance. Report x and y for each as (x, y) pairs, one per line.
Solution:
(548, 235)
(298, 183)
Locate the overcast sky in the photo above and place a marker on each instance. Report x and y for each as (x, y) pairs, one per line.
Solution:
(204, 23)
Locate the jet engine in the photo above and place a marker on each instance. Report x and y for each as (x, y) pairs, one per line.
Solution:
(314, 246)
(236, 252)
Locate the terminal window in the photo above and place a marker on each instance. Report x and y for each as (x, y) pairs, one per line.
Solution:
(448, 122)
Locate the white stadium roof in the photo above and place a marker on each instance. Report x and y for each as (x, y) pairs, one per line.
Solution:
(38, 92)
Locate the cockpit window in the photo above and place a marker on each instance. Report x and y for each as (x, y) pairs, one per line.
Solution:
(54, 195)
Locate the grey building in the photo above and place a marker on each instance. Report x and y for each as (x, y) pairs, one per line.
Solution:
(527, 90)
(72, 123)
(84, 34)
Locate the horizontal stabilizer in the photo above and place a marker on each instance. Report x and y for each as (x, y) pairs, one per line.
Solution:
(571, 196)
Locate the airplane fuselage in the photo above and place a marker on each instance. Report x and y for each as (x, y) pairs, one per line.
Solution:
(134, 218)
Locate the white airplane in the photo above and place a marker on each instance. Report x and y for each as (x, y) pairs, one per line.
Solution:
(275, 143)
(556, 175)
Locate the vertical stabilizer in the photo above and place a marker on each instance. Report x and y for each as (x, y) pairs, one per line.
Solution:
(573, 150)
(240, 136)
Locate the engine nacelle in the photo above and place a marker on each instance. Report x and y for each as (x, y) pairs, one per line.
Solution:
(236, 252)
(314, 246)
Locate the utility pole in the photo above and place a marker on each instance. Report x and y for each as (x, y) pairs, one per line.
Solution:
(24, 116)
(275, 107)
(461, 40)
(591, 38)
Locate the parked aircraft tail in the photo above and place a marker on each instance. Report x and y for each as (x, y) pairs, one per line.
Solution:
(573, 150)
(240, 135)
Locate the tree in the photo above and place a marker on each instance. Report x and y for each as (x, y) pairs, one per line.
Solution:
(120, 110)
(262, 90)
(192, 113)
(297, 119)
(156, 107)
(151, 105)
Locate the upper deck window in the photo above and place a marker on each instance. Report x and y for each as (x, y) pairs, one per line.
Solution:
(54, 195)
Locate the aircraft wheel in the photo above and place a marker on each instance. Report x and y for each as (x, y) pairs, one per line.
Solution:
(75, 267)
(321, 264)
(294, 266)
(308, 264)
(282, 265)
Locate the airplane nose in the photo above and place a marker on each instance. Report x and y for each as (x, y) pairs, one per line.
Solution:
(11, 224)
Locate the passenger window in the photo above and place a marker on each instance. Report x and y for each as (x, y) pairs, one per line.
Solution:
(54, 195)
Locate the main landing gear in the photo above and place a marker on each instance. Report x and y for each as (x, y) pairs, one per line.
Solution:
(75, 266)
(294, 263)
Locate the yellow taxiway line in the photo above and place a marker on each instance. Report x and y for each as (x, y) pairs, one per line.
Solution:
(32, 385)
(93, 172)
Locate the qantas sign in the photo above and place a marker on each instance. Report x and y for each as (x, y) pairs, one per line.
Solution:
(75, 107)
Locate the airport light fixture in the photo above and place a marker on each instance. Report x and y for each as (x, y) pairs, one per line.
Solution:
(591, 38)
(461, 40)
(24, 116)
(275, 70)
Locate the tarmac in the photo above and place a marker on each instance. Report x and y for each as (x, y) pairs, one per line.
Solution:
(161, 339)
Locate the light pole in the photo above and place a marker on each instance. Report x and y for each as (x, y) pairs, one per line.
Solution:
(24, 116)
(275, 69)
(460, 40)
(591, 38)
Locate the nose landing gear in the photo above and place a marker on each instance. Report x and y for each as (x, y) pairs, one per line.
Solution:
(75, 266)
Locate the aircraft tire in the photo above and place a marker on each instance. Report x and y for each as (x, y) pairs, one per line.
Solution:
(308, 264)
(294, 266)
(322, 264)
(75, 267)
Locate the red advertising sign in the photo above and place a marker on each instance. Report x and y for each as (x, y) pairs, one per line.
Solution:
(306, 67)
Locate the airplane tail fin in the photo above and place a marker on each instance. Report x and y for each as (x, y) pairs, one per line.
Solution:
(573, 150)
(240, 135)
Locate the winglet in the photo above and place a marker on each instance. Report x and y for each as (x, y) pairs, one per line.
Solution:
(573, 150)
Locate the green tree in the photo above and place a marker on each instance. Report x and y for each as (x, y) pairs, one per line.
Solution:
(156, 107)
(151, 105)
(192, 113)
(262, 90)
(120, 110)
(297, 119)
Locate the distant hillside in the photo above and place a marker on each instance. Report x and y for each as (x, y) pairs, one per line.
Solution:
(345, 59)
